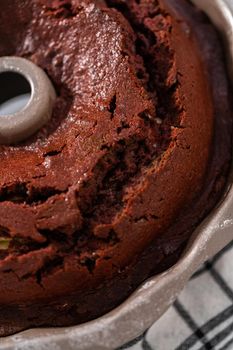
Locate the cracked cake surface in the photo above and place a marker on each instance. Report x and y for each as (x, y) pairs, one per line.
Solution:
(136, 154)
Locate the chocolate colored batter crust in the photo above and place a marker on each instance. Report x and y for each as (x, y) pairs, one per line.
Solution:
(136, 154)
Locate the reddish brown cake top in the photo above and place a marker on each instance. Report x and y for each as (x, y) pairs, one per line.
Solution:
(129, 159)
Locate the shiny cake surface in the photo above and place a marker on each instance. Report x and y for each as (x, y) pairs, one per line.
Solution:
(136, 154)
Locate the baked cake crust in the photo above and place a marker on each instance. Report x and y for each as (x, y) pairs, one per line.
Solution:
(136, 154)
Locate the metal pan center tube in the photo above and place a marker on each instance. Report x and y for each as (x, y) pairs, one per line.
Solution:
(19, 76)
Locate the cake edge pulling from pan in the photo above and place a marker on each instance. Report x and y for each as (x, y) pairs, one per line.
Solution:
(136, 314)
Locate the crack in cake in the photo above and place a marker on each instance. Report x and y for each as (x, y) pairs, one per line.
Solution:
(135, 156)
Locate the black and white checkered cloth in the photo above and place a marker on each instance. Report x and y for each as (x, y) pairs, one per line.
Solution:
(202, 317)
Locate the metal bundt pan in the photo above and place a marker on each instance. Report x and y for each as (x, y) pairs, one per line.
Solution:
(153, 298)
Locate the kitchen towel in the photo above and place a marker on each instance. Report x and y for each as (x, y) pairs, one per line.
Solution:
(202, 316)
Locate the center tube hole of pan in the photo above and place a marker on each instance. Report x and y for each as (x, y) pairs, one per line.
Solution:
(15, 92)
